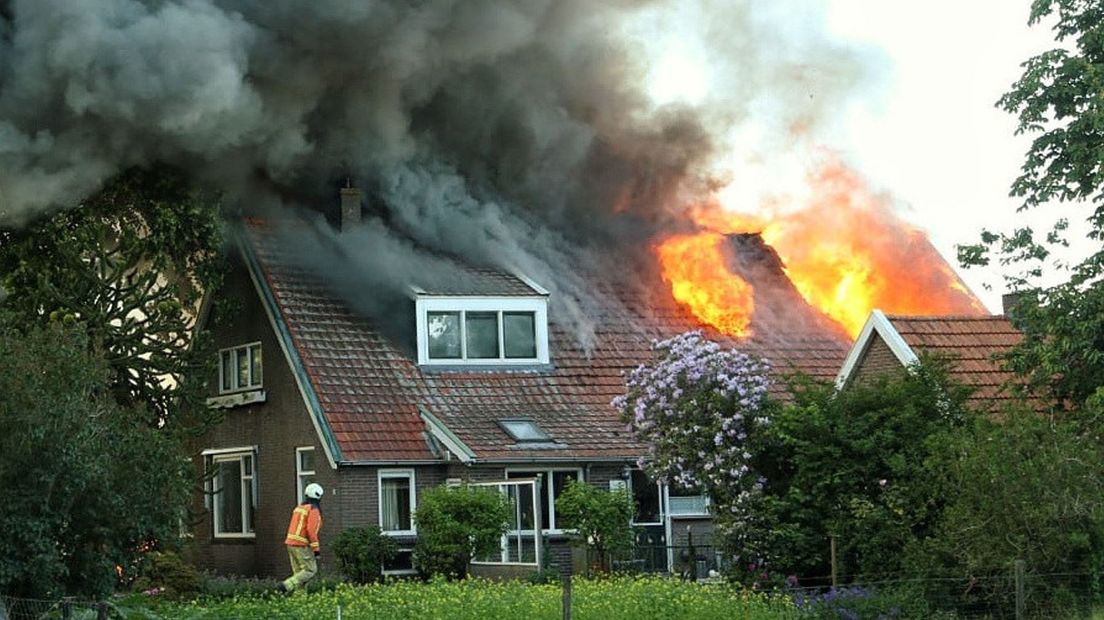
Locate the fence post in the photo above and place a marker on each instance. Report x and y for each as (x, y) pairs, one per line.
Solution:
(832, 550)
(339, 610)
(567, 597)
(1019, 572)
(101, 611)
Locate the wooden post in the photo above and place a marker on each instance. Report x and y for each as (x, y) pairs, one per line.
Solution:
(101, 611)
(1020, 603)
(66, 610)
(835, 567)
(567, 597)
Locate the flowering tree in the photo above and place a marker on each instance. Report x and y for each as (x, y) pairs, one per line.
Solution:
(696, 407)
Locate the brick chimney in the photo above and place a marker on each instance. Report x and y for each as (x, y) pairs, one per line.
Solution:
(350, 206)
(1009, 301)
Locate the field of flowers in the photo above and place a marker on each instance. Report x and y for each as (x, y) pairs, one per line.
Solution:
(602, 599)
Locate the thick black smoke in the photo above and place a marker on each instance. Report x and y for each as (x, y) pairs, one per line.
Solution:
(511, 133)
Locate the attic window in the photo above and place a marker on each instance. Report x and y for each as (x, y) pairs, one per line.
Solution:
(524, 430)
(463, 331)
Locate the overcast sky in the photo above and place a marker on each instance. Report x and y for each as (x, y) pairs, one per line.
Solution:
(931, 134)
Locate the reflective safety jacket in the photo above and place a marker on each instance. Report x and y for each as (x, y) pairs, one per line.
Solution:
(306, 520)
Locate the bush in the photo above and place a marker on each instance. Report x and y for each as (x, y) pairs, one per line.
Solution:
(600, 518)
(362, 552)
(166, 573)
(456, 524)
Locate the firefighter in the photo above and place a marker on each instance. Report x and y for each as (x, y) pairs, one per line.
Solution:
(302, 540)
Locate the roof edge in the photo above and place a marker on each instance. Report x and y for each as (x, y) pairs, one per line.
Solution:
(876, 323)
(445, 435)
(287, 345)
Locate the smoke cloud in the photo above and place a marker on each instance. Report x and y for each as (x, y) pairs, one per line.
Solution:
(519, 134)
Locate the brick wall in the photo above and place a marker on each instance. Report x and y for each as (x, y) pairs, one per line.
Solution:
(877, 360)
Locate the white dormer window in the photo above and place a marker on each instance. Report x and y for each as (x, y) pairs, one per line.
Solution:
(462, 331)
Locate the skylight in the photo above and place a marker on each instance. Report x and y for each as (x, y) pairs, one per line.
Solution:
(524, 430)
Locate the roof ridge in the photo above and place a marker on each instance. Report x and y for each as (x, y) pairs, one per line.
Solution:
(947, 317)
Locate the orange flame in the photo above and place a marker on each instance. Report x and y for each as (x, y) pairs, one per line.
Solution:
(695, 267)
(847, 253)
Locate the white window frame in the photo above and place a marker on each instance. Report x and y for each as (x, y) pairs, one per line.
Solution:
(504, 544)
(423, 305)
(660, 488)
(300, 473)
(409, 475)
(547, 528)
(402, 571)
(703, 500)
(222, 456)
(254, 382)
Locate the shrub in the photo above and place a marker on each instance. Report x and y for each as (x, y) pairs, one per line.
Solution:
(456, 524)
(166, 573)
(600, 518)
(362, 551)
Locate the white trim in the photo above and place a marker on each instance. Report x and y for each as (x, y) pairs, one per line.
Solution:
(425, 304)
(532, 284)
(403, 571)
(214, 451)
(878, 324)
(408, 474)
(311, 413)
(547, 528)
(442, 433)
(237, 399)
(248, 510)
(252, 386)
(300, 472)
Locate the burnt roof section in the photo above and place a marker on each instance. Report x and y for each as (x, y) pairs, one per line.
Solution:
(371, 391)
(973, 345)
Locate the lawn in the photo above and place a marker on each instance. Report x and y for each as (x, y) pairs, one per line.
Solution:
(604, 599)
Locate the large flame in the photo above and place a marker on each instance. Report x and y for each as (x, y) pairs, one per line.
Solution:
(846, 252)
(696, 268)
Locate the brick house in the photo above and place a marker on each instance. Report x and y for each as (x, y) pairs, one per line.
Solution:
(490, 388)
(889, 343)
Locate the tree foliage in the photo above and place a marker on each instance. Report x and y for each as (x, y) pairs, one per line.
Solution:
(81, 497)
(696, 408)
(851, 465)
(600, 519)
(457, 524)
(129, 264)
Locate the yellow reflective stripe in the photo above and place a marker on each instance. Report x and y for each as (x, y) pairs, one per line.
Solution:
(302, 524)
(314, 545)
(298, 538)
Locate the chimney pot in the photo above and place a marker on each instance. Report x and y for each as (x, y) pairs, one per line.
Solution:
(350, 206)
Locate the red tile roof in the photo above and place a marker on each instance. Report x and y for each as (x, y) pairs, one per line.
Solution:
(371, 391)
(973, 344)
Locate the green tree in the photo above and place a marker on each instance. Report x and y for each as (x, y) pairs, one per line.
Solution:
(129, 264)
(1059, 100)
(457, 524)
(600, 519)
(80, 495)
(851, 464)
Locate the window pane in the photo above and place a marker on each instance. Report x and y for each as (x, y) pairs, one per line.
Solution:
(403, 561)
(395, 493)
(306, 460)
(519, 331)
(525, 499)
(227, 370)
(444, 334)
(229, 498)
(255, 358)
(248, 501)
(482, 334)
(645, 498)
(243, 367)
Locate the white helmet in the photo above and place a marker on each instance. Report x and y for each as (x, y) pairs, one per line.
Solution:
(313, 491)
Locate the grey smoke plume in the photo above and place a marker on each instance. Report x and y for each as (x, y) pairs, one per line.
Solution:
(514, 133)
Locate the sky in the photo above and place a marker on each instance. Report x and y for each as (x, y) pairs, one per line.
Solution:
(931, 134)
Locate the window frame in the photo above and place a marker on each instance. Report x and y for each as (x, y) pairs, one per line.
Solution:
(300, 472)
(410, 476)
(254, 382)
(538, 306)
(225, 456)
(549, 490)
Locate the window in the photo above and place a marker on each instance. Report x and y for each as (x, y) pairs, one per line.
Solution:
(240, 368)
(482, 331)
(645, 498)
(234, 488)
(687, 502)
(396, 501)
(548, 493)
(304, 471)
(401, 564)
(524, 430)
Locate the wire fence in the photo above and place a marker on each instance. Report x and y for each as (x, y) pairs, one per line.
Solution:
(13, 608)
